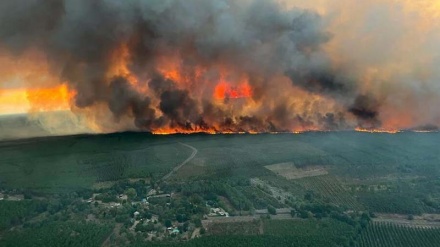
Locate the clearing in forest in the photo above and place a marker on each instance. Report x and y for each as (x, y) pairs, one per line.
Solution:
(289, 171)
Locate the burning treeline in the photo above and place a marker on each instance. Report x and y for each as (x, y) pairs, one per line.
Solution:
(170, 66)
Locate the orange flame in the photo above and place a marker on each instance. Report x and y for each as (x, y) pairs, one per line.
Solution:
(166, 131)
(225, 90)
(217, 81)
(387, 131)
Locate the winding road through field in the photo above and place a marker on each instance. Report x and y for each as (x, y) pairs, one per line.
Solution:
(175, 169)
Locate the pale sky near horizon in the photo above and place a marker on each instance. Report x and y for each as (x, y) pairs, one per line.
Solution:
(13, 101)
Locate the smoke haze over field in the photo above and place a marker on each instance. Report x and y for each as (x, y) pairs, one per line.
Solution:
(225, 65)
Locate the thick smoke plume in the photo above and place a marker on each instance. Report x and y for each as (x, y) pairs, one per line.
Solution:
(196, 65)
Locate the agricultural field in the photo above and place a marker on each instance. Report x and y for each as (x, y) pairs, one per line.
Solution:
(259, 198)
(334, 232)
(390, 235)
(424, 220)
(236, 228)
(329, 189)
(290, 171)
(245, 241)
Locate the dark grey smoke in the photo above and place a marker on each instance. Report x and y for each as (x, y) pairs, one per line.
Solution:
(254, 37)
(366, 108)
(124, 99)
(179, 107)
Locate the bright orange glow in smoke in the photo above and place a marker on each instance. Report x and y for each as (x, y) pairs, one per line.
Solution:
(50, 99)
(225, 90)
(170, 68)
(13, 101)
(35, 99)
(119, 67)
(38, 86)
(172, 74)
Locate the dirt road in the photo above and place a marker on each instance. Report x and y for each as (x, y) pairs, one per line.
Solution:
(175, 169)
(425, 220)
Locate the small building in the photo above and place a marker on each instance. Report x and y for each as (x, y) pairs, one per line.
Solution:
(136, 214)
(218, 212)
(123, 197)
(114, 204)
(151, 192)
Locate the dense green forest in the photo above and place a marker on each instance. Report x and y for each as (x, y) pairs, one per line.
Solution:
(245, 241)
(14, 213)
(58, 234)
(112, 190)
